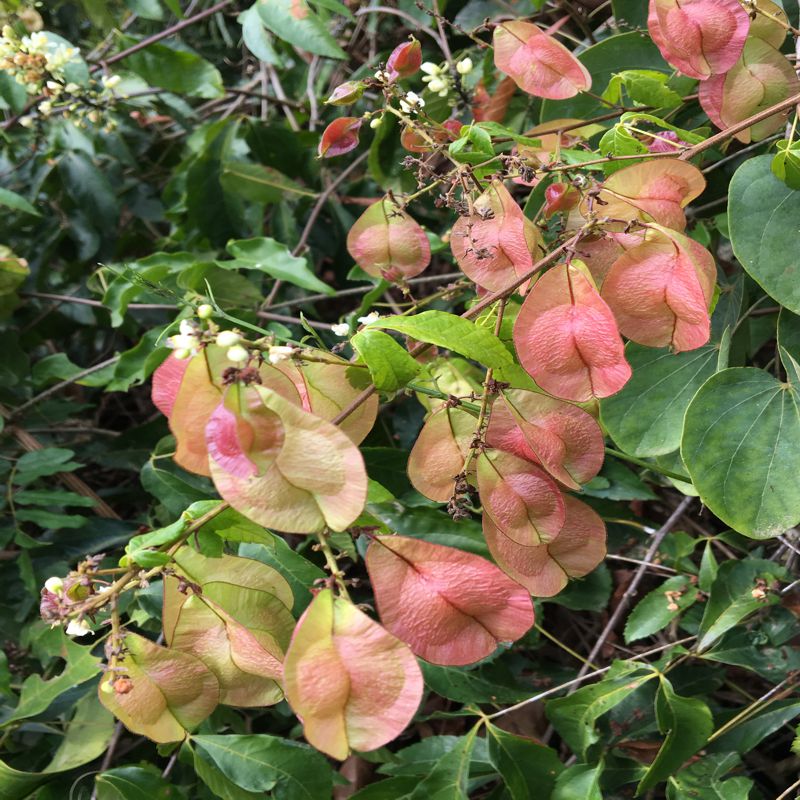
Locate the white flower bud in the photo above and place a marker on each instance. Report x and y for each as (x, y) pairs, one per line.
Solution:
(78, 628)
(373, 316)
(205, 311)
(464, 67)
(437, 85)
(181, 342)
(375, 122)
(26, 122)
(228, 338)
(237, 354)
(182, 354)
(54, 585)
(340, 329)
(279, 353)
(187, 327)
(110, 81)
(430, 68)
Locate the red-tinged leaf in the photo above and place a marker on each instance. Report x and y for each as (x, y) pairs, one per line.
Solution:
(567, 339)
(387, 243)
(404, 60)
(545, 570)
(655, 191)
(761, 78)
(340, 137)
(600, 252)
(661, 291)
(539, 64)
(346, 93)
(439, 453)
(158, 692)
(245, 658)
(665, 142)
(326, 389)
(701, 38)
(558, 436)
(493, 107)
(494, 244)
(522, 500)
(448, 131)
(309, 473)
(452, 608)
(167, 381)
(353, 684)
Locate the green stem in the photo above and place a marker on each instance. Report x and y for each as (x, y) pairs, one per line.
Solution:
(333, 564)
(647, 465)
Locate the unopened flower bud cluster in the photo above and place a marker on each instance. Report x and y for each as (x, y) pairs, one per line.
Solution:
(193, 334)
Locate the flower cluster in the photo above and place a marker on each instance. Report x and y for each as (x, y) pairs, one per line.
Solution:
(195, 333)
(438, 76)
(33, 60)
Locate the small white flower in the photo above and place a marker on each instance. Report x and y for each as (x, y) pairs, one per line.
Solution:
(382, 76)
(72, 88)
(279, 353)
(237, 354)
(429, 68)
(45, 108)
(228, 338)
(411, 102)
(54, 585)
(373, 316)
(464, 67)
(78, 628)
(54, 86)
(340, 329)
(437, 85)
(182, 354)
(375, 122)
(181, 342)
(26, 122)
(187, 327)
(110, 81)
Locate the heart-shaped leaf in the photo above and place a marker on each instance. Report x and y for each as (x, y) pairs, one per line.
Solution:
(158, 692)
(544, 570)
(567, 339)
(353, 684)
(660, 291)
(558, 436)
(452, 608)
(522, 500)
(538, 64)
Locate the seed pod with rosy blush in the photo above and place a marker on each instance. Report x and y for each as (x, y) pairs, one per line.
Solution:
(340, 137)
(560, 197)
(387, 243)
(404, 60)
(346, 94)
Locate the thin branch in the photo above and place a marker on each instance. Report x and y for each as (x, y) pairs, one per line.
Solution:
(633, 586)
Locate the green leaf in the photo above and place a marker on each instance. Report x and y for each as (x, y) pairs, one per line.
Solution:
(274, 259)
(132, 783)
(389, 364)
(175, 70)
(579, 782)
(740, 442)
(448, 778)
(703, 780)
(37, 694)
(453, 332)
(41, 463)
(89, 188)
(645, 418)
(731, 597)
(487, 683)
(51, 497)
(147, 9)
(687, 723)
(652, 612)
(294, 22)
(256, 37)
(262, 763)
(574, 717)
(746, 736)
(762, 216)
(16, 202)
(522, 763)
(259, 183)
(618, 141)
(785, 163)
